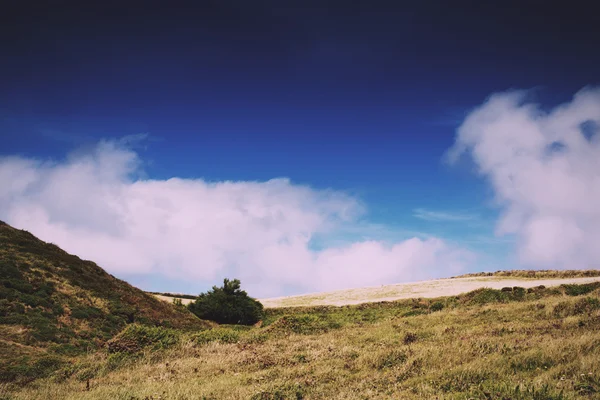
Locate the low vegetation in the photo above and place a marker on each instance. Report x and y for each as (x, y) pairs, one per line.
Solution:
(538, 274)
(514, 343)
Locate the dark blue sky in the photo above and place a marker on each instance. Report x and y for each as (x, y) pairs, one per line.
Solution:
(357, 96)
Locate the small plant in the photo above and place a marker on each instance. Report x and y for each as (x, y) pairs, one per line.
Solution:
(409, 338)
(390, 359)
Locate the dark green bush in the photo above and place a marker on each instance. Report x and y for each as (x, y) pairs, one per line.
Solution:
(227, 305)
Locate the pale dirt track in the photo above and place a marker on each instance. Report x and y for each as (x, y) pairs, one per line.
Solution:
(170, 299)
(424, 289)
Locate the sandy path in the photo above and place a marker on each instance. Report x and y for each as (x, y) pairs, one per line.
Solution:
(170, 299)
(425, 289)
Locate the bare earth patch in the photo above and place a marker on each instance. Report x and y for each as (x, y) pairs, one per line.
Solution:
(170, 299)
(425, 289)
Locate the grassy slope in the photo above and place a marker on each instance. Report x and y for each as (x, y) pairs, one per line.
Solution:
(541, 343)
(54, 305)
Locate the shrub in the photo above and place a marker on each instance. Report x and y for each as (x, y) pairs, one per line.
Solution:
(227, 305)
(26, 370)
(220, 335)
(485, 295)
(410, 337)
(581, 306)
(390, 359)
(137, 337)
(518, 293)
(578, 290)
(412, 313)
(437, 306)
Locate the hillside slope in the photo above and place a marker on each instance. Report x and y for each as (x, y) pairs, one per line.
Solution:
(53, 304)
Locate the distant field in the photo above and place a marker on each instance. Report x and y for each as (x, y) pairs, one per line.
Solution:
(426, 289)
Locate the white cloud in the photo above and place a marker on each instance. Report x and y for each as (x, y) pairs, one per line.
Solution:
(443, 216)
(544, 168)
(96, 205)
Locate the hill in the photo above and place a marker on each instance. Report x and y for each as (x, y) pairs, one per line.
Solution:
(54, 305)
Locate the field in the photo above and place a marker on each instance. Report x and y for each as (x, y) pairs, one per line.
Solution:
(425, 289)
(513, 343)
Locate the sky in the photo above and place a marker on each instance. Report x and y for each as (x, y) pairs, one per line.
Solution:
(302, 146)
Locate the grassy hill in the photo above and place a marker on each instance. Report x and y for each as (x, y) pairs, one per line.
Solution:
(54, 305)
(538, 343)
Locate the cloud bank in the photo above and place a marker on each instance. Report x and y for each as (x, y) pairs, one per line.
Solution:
(98, 206)
(544, 168)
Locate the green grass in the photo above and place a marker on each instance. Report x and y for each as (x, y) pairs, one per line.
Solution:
(542, 343)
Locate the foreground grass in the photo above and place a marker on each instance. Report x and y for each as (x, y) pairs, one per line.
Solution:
(487, 344)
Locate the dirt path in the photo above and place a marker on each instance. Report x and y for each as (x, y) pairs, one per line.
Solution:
(169, 299)
(426, 289)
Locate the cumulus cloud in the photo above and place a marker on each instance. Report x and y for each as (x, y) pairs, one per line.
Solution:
(544, 168)
(97, 205)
